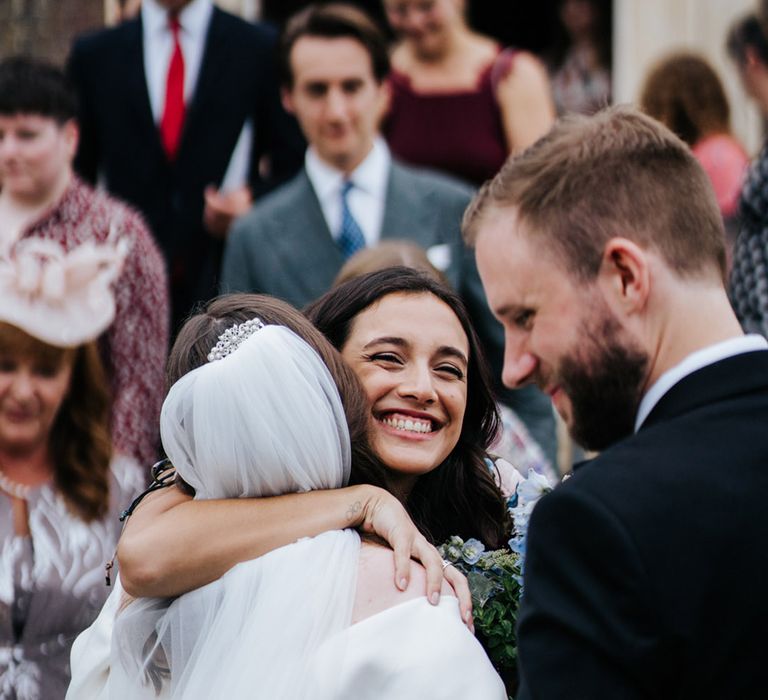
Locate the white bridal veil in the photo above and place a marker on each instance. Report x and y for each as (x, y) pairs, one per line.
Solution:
(265, 420)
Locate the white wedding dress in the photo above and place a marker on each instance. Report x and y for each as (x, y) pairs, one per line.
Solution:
(411, 651)
(267, 420)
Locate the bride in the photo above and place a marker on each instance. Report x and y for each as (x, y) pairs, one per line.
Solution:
(268, 414)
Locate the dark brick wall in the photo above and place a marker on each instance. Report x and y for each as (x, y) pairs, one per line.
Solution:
(45, 28)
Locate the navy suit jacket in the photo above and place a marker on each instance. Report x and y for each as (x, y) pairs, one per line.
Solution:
(120, 142)
(647, 571)
(283, 247)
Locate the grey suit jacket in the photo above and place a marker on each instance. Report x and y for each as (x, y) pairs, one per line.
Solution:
(283, 247)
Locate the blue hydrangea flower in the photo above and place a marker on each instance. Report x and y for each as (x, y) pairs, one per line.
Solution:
(528, 494)
(533, 487)
(472, 551)
(453, 553)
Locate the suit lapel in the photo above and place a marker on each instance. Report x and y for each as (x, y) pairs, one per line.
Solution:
(136, 82)
(412, 212)
(305, 247)
(726, 379)
(214, 82)
(407, 210)
(214, 57)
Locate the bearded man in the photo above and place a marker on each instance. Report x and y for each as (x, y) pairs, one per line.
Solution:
(601, 250)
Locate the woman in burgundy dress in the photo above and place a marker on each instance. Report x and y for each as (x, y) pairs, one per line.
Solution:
(460, 103)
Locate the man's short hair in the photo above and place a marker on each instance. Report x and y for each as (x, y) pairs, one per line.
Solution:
(617, 173)
(334, 21)
(29, 86)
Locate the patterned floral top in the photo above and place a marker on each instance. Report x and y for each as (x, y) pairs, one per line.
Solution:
(135, 345)
(52, 584)
(749, 274)
(577, 87)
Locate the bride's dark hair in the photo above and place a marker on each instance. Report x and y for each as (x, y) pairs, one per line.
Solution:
(459, 497)
(202, 329)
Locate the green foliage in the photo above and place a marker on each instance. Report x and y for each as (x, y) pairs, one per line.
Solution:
(494, 580)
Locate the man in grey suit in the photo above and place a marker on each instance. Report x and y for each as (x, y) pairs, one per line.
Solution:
(351, 193)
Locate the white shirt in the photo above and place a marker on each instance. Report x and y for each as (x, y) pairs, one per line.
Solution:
(158, 47)
(695, 361)
(366, 199)
(194, 20)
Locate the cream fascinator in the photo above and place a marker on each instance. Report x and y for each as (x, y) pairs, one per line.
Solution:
(62, 298)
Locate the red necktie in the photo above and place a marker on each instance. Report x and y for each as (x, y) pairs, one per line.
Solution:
(172, 120)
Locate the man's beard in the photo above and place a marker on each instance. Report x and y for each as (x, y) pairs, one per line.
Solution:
(604, 382)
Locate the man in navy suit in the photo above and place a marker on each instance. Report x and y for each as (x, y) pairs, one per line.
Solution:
(293, 242)
(180, 115)
(601, 249)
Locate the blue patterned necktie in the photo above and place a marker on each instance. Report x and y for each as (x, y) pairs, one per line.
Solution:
(351, 237)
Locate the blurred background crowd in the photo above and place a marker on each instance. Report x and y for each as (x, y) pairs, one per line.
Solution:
(191, 124)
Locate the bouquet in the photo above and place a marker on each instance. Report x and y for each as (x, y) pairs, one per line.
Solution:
(494, 581)
(496, 577)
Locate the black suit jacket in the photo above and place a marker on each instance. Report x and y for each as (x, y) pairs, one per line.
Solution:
(647, 571)
(120, 141)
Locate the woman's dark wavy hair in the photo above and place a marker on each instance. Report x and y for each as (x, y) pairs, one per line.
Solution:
(459, 497)
(202, 329)
(80, 439)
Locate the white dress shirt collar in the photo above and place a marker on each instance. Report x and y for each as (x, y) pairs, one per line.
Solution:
(695, 361)
(194, 20)
(366, 199)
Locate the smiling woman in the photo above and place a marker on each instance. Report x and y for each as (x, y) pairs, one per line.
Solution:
(34, 381)
(460, 102)
(409, 339)
(410, 352)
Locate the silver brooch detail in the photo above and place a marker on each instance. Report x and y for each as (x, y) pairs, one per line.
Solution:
(232, 338)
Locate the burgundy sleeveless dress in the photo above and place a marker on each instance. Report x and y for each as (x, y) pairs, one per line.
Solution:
(460, 133)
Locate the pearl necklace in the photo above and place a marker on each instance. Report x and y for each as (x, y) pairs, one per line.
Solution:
(14, 488)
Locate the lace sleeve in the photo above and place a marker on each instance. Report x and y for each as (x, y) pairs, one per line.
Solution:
(138, 343)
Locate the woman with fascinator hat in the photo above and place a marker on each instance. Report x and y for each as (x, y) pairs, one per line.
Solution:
(274, 410)
(60, 484)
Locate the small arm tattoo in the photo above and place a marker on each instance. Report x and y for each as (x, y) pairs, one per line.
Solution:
(354, 510)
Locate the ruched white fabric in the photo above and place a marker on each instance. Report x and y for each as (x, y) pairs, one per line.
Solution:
(411, 651)
(265, 420)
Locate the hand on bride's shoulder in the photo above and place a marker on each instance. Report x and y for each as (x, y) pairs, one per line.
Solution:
(383, 515)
